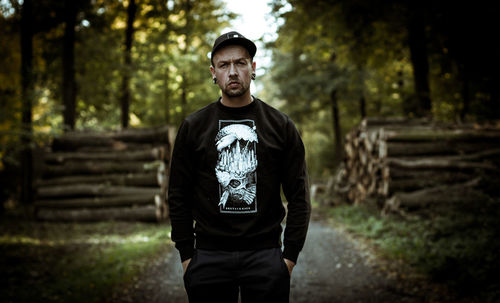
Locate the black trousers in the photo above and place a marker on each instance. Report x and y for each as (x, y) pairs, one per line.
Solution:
(219, 276)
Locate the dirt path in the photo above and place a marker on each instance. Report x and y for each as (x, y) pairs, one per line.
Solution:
(330, 269)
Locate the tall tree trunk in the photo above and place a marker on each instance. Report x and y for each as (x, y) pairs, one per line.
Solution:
(166, 15)
(418, 54)
(336, 126)
(400, 88)
(184, 88)
(463, 74)
(187, 32)
(361, 83)
(27, 100)
(167, 99)
(362, 106)
(129, 36)
(68, 83)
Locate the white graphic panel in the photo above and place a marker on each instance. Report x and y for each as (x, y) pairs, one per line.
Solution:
(236, 168)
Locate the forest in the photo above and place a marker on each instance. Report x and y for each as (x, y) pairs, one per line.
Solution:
(397, 102)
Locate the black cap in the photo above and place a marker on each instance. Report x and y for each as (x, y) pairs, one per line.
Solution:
(230, 39)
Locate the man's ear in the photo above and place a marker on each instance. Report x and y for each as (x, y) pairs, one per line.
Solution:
(212, 71)
(253, 66)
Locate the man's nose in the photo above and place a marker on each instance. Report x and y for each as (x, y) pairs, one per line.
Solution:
(232, 69)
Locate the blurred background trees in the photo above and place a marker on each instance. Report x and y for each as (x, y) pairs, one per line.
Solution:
(94, 65)
(434, 59)
(97, 64)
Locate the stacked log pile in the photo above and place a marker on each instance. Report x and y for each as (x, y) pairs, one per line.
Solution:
(407, 165)
(105, 176)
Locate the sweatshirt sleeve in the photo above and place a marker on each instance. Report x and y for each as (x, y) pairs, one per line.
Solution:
(181, 171)
(295, 185)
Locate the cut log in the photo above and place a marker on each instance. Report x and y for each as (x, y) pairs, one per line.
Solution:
(402, 155)
(74, 140)
(86, 190)
(116, 146)
(431, 196)
(99, 202)
(408, 149)
(409, 180)
(143, 213)
(157, 153)
(98, 167)
(408, 185)
(161, 200)
(137, 179)
(397, 174)
(434, 135)
(118, 175)
(162, 177)
(394, 121)
(440, 163)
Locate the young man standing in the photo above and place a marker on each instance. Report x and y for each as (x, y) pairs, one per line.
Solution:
(229, 161)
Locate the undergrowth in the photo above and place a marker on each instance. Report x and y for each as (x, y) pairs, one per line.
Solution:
(71, 262)
(457, 246)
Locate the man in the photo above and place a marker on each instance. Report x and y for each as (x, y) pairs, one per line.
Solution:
(229, 160)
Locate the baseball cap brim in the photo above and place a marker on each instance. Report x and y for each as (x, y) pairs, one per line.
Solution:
(233, 38)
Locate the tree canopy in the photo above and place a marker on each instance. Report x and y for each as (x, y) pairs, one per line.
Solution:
(334, 62)
(382, 58)
(169, 75)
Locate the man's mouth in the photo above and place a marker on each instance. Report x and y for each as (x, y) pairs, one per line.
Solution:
(233, 83)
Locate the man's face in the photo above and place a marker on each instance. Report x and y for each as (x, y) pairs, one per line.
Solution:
(233, 69)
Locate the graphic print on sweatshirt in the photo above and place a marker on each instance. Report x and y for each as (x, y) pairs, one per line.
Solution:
(236, 168)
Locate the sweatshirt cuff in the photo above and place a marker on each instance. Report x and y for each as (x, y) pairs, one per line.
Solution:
(291, 252)
(186, 251)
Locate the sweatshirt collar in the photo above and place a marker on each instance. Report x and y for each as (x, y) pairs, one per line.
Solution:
(243, 109)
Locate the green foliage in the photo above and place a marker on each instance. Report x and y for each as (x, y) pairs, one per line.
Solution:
(457, 246)
(10, 113)
(55, 262)
(170, 75)
(170, 69)
(330, 55)
(360, 49)
(98, 55)
(173, 77)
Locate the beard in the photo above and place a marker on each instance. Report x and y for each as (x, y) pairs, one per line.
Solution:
(235, 92)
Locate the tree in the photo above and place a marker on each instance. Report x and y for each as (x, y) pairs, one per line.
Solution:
(346, 64)
(417, 43)
(27, 100)
(87, 52)
(68, 64)
(129, 37)
(188, 7)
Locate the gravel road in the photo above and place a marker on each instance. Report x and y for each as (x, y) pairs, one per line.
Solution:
(330, 269)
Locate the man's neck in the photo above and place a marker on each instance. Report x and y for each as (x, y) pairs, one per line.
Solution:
(236, 101)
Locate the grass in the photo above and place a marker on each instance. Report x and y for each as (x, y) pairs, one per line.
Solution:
(71, 262)
(458, 246)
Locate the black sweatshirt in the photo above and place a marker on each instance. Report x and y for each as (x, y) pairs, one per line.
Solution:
(226, 171)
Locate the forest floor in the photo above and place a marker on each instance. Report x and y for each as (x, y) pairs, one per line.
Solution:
(333, 267)
(330, 269)
(137, 262)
